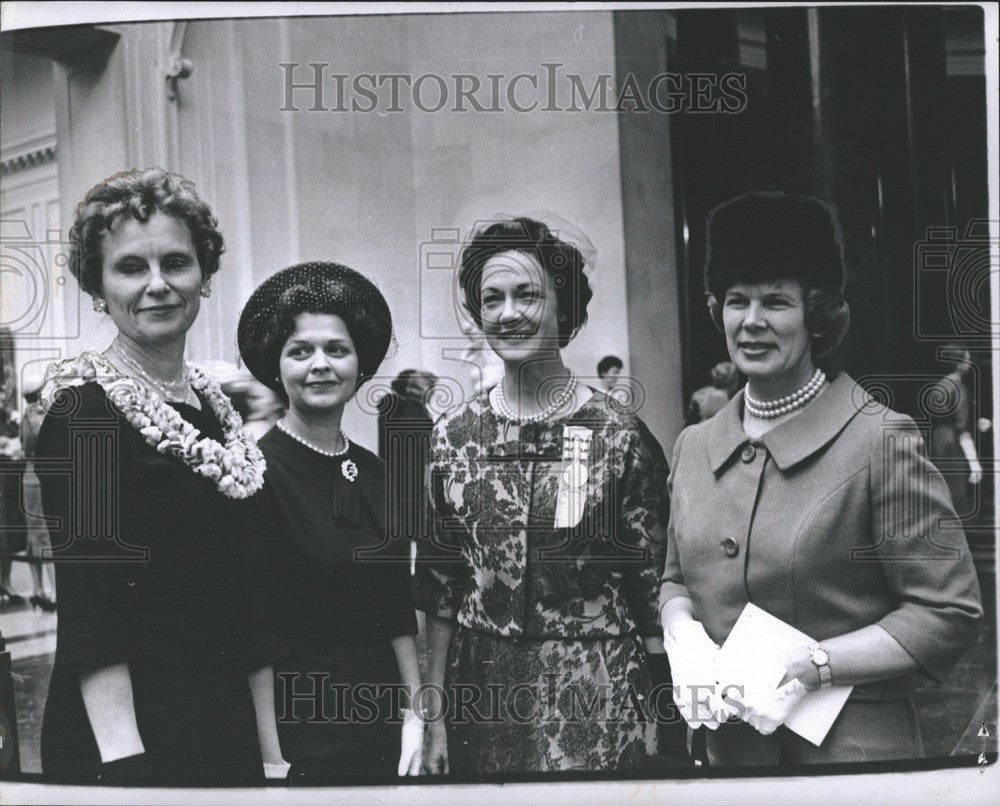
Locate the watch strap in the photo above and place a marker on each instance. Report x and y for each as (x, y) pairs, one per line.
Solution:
(825, 676)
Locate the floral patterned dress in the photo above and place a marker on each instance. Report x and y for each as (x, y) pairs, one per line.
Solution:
(552, 573)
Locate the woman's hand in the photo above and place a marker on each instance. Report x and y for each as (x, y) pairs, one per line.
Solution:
(276, 770)
(767, 708)
(692, 663)
(436, 753)
(799, 666)
(412, 753)
(976, 472)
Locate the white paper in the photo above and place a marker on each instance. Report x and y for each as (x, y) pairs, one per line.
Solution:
(755, 640)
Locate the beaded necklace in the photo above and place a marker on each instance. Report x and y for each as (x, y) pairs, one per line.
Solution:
(499, 402)
(769, 409)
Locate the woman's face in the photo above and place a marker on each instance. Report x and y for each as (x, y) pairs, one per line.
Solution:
(766, 330)
(319, 365)
(151, 279)
(518, 307)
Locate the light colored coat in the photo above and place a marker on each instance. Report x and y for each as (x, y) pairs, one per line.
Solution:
(832, 521)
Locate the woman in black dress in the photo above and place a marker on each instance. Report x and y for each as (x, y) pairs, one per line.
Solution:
(332, 595)
(142, 462)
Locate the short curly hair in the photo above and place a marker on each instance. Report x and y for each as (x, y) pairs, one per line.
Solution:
(562, 261)
(139, 193)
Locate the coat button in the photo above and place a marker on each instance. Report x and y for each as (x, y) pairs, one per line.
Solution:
(749, 452)
(731, 547)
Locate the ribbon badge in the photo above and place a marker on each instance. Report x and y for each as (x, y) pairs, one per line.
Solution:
(574, 476)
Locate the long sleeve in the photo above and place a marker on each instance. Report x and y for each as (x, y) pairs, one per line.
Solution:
(643, 523)
(81, 466)
(438, 584)
(923, 552)
(672, 580)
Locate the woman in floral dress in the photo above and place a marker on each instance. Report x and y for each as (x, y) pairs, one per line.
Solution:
(540, 584)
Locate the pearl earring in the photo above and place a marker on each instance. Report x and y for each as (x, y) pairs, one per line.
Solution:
(206, 288)
(99, 304)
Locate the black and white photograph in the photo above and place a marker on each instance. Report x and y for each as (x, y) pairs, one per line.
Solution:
(568, 402)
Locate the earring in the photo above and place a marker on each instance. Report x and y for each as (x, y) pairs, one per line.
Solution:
(99, 304)
(206, 287)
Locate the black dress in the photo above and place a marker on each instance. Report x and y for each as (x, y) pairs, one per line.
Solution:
(330, 593)
(170, 606)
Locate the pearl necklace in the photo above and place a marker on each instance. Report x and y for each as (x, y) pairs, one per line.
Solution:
(343, 441)
(170, 390)
(499, 402)
(769, 409)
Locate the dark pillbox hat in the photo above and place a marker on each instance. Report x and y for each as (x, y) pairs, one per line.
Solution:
(314, 287)
(769, 235)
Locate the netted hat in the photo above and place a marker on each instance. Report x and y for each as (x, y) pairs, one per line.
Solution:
(268, 318)
(768, 235)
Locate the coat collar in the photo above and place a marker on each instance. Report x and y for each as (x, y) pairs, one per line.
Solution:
(795, 439)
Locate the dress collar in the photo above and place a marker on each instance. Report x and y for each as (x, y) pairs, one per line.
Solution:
(346, 496)
(798, 437)
(539, 440)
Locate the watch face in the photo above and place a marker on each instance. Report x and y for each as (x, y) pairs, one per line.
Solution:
(819, 657)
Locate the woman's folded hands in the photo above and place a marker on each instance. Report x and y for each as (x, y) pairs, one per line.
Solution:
(692, 654)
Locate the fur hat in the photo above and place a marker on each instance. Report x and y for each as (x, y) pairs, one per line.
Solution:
(767, 235)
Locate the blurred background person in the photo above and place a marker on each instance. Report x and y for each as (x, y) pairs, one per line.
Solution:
(259, 406)
(710, 400)
(39, 547)
(404, 436)
(952, 446)
(12, 521)
(609, 370)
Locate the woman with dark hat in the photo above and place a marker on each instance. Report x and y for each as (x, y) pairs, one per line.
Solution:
(334, 616)
(807, 499)
(549, 499)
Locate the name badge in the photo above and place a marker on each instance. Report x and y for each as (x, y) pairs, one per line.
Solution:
(573, 476)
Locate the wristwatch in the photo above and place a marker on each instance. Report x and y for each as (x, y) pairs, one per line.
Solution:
(821, 661)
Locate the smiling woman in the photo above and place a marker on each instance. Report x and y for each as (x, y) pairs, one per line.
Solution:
(809, 500)
(330, 617)
(146, 527)
(550, 511)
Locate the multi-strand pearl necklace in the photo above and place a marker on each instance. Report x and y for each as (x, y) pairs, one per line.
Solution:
(499, 401)
(769, 409)
(344, 441)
